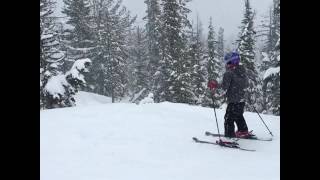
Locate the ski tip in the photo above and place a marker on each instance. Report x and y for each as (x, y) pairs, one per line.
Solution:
(194, 138)
(207, 133)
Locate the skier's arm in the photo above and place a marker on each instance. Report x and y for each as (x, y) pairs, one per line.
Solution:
(227, 77)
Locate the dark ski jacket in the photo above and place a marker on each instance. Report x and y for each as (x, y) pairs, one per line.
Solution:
(234, 83)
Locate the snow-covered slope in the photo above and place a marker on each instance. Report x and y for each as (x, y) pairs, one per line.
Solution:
(86, 99)
(126, 141)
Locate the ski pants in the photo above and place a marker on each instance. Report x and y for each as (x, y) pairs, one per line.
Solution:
(234, 114)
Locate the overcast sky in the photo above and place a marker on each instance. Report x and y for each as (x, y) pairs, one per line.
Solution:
(225, 13)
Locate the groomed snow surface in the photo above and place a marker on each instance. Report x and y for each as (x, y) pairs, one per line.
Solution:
(98, 140)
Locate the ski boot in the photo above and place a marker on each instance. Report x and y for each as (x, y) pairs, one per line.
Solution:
(245, 134)
(227, 141)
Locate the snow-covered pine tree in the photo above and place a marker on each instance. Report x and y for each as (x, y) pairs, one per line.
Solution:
(60, 89)
(51, 55)
(269, 38)
(112, 22)
(213, 62)
(76, 80)
(220, 46)
(78, 37)
(246, 44)
(138, 66)
(76, 75)
(198, 64)
(214, 66)
(174, 70)
(271, 77)
(272, 36)
(264, 35)
(264, 46)
(153, 33)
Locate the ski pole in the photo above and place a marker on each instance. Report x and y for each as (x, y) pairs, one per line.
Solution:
(215, 114)
(212, 85)
(262, 120)
(260, 116)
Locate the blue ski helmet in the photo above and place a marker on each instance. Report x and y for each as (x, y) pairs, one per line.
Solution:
(232, 58)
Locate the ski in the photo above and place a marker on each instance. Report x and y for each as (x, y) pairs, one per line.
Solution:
(234, 146)
(251, 138)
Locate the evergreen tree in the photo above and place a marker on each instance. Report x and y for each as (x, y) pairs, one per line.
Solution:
(198, 64)
(138, 71)
(246, 44)
(60, 89)
(174, 71)
(214, 66)
(265, 34)
(78, 37)
(112, 22)
(51, 55)
(153, 33)
(270, 32)
(271, 78)
(220, 46)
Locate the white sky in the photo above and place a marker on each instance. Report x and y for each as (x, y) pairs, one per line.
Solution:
(225, 13)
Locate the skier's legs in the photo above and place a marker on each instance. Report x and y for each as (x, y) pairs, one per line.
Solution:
(240, 121)
(229, 120)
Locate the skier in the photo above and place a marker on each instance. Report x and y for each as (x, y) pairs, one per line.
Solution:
(234, 84)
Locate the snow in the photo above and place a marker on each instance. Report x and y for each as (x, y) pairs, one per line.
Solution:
(138, 95)
(57, 55)
(55, 85)
(271, 71)
(123, 141)
(85, 50)
(265, 57)
(148, 99)
(46, 36)
(47, 73)
(157, 73)
(90, 99)
(78, 66)
(278, 42)
(54, 65)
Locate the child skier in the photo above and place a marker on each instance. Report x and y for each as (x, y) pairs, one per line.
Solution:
(234, 84)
